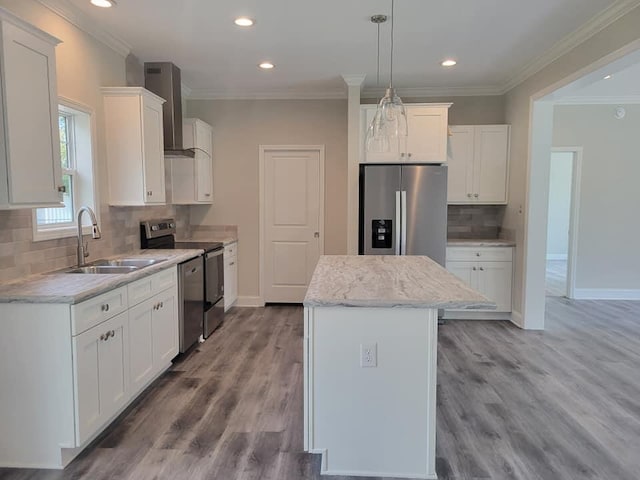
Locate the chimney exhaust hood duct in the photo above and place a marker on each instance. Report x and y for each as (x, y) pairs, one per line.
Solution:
(163, 79)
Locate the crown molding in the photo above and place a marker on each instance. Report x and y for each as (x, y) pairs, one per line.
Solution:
(568, 43)
(435, 92)
(75, 16)
(596, 100)
(274, 94)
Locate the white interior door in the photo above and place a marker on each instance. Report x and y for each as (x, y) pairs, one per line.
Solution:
(293, 206)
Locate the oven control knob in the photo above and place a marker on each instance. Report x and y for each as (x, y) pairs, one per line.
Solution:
(172, 225)
(155, 228)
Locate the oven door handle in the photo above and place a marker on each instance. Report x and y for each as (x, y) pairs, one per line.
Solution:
(216, 253)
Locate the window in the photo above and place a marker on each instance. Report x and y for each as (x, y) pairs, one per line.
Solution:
(76, 156)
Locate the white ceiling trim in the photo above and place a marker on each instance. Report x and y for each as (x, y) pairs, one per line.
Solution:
(435, 91)
(603, 100)
(568, 43)
(276, 94)
(75, 16)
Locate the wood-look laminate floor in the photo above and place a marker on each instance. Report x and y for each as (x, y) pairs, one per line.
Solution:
(562, 404)
(556, 278)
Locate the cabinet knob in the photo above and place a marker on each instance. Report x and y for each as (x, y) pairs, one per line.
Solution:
(149, 193)
(476, 195)
(477, 254)
(482, 269)
(469, 195)
(474, 269)
(105, 307)
(409, 155)
(207, 194)
(62, 189)
(402, 155)
(161, 304)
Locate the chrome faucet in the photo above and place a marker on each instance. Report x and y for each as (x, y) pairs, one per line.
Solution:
(83, 249)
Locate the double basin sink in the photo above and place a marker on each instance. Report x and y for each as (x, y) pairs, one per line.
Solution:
(117, 266)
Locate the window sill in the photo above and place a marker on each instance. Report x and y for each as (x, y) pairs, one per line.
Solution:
(56, 233)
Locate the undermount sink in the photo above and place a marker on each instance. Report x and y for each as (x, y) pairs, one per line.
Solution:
(114, 267)
(103, 269)
(128, 262)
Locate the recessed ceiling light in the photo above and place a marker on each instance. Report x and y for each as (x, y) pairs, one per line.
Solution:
(449, 62)
(607, 77)
(266, 65)
(103, 3)
(244, 22)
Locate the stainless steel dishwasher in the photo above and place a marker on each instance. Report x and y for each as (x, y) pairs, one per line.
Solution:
(191, 309)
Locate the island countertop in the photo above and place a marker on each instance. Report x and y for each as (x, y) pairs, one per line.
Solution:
(389, 281)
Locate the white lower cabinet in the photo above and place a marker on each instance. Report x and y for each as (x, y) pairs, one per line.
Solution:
(100, 375)
(80, 365)
(488, 270)
(230, 275)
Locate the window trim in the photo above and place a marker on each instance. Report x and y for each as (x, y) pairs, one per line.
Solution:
(42, 233)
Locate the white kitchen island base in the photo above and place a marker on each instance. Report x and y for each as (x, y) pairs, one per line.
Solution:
(371, 421)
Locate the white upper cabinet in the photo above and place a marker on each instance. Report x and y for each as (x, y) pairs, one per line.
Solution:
(30, 170)
(135, 146)
(427, 135)
(192, 178)
(478, 164)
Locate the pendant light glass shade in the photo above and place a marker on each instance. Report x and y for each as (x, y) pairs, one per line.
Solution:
(388, 129)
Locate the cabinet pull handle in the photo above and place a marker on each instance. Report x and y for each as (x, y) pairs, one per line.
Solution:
(232, 264)
(477, 254)
(105, 307)
(103, 337)
(149, 193)
(62, 189)
(482, 269)
(161, 304)
(207, 194)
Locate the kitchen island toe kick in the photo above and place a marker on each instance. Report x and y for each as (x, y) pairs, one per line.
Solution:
(370, 357)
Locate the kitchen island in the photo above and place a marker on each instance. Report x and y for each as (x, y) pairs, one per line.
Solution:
(370, 351)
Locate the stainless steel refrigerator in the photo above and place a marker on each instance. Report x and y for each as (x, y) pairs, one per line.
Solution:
(403, 210)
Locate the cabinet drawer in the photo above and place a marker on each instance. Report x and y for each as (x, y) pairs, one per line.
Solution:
(147, 287)
(88, 314)
(480, 254)
(230, 251)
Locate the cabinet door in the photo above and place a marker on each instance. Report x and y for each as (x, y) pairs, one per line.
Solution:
(367, 112)
(153, 145)
(465, 271)
(165, 328)
(491, 163)
(427, 140)
(140, 349)
(494, 282)
(31, 101)
(204, 177)
(460, 162)
(100, 374)
(204, 137)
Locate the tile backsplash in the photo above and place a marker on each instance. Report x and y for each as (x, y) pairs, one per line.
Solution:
(475, 221)
(21, 256)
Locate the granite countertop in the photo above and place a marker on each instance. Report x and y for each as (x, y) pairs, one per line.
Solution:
(478, 242)
(225, 238)
(389, 281)
(58, 287)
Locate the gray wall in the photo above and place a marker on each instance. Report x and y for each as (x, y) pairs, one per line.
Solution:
(559, 205)
(608, 226)
(240, 127)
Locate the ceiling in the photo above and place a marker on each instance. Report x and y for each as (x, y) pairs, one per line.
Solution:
(313, 42)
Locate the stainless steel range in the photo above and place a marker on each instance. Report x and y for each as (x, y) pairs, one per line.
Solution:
(202, 307)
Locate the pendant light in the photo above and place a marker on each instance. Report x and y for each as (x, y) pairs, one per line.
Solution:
(389, 125)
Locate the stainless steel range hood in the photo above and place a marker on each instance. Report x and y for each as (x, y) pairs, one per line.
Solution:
(163, 79)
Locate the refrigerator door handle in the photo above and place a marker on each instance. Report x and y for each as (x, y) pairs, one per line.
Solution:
(398, 232)
(403, 208)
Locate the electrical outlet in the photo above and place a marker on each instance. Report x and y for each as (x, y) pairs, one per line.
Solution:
(369, 355)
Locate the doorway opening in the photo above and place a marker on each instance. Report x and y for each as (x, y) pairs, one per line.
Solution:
(564, 198)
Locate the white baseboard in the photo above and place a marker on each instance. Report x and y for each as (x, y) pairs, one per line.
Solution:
(606, 294)
(474, 315)
(557, 256)
(249, 302)
(516, 319)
